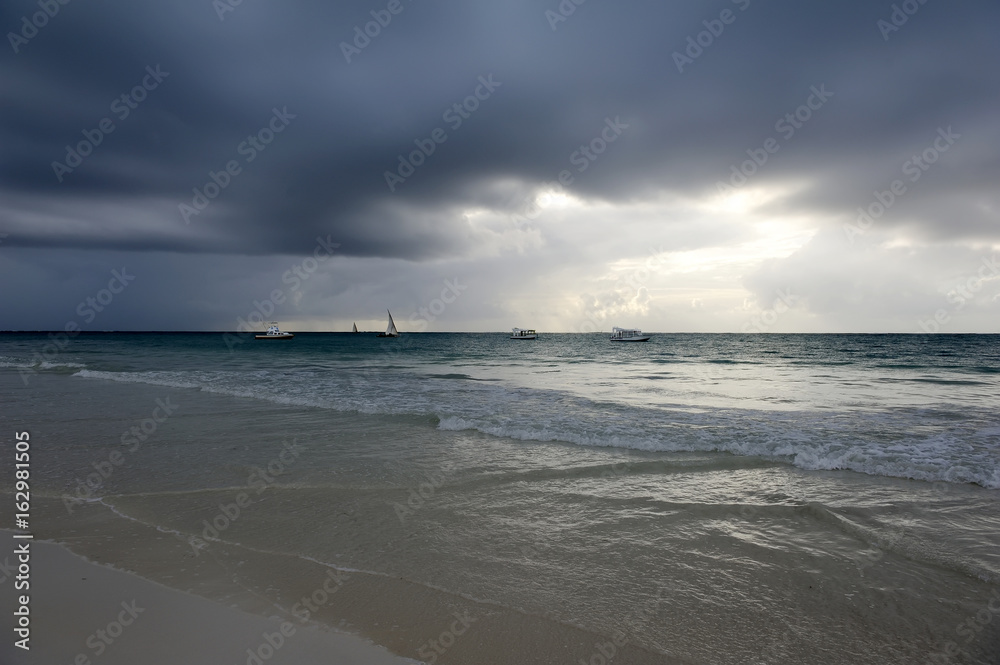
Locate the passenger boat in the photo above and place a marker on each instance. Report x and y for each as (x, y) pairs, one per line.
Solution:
(273, 332)
(521, 333)
(628, 335)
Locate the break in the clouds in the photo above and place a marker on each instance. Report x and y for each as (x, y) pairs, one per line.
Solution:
(723, 166)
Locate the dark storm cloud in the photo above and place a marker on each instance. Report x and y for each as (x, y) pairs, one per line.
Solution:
(325, 172)
(682, 114)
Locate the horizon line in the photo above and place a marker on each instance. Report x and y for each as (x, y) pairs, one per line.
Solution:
(463, 332)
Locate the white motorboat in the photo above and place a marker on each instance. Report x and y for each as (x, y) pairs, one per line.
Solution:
(521, 333)
(273, 332)
(390, 331)
(628, 335)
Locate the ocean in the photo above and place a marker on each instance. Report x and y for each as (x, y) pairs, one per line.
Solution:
(700, 498)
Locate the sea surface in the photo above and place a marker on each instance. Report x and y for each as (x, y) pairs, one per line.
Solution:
(697, 498)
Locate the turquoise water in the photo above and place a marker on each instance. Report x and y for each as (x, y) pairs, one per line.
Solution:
(909, 406)
(776, 498)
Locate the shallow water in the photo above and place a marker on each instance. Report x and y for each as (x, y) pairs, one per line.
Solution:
(705, 499)
(908, 406)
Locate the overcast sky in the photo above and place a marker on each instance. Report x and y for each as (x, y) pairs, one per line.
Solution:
(713, 157)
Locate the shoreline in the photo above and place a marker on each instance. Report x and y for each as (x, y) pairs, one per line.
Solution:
(563, 555)
(405, 611)
(85, 612)
(255, 592)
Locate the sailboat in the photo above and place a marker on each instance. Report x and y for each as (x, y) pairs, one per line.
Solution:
(391, 330)
(355, 327)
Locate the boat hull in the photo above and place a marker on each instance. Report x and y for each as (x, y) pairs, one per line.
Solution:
(524, 336)
(281, 336)
(630, 339)
(387, 335)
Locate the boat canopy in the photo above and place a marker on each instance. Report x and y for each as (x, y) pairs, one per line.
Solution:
(626, 331)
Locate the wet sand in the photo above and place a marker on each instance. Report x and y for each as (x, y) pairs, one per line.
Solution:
(507, 552)
(144, 623)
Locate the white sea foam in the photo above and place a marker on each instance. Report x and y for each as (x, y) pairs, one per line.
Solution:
(867, 442)
(151, 378)
(940, 462)
(45, 365)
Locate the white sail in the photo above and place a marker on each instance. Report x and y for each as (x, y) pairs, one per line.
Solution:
(355, 327)
(391, 330)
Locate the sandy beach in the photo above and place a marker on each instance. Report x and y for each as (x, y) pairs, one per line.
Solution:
(267, 518)
(84, 613)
